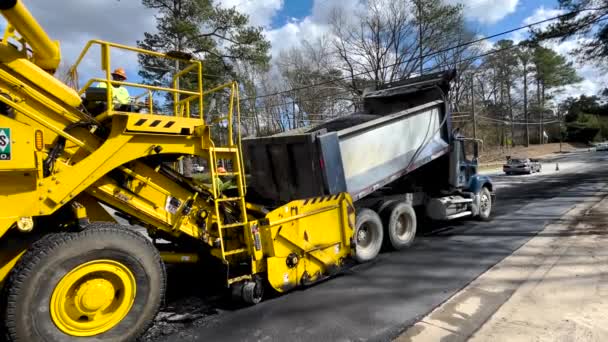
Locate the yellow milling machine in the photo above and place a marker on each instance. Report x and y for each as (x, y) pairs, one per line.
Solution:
(69, 271)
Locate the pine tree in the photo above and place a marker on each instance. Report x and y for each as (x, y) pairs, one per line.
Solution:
(220, 37)
(552, 71)
(586, 20)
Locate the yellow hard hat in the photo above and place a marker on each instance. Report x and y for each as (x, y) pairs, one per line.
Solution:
(120, 72)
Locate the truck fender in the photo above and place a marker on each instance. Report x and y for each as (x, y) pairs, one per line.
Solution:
(479, 181)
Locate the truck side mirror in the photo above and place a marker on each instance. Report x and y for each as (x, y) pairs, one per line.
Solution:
(475, 151)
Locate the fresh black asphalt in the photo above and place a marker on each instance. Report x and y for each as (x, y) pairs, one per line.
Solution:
(378, 300)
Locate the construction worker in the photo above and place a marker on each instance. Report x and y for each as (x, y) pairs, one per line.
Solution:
(120, 94)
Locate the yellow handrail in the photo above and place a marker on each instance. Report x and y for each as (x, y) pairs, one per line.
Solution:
(184, 71)
(220, 87)
(135, 85)
(106, 66)
(123, 47)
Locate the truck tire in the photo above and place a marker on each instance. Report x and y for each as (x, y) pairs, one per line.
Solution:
(485, 204)
(105, 283)
(400, 224)
(368, 235)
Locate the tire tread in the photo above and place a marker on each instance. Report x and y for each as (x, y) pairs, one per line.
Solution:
(40, 250)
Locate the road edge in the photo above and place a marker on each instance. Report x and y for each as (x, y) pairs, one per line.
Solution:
(461, 315)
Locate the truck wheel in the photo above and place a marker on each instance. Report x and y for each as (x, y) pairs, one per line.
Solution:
(368, 235)
(400, 225)
(485, 204)
(101, 284)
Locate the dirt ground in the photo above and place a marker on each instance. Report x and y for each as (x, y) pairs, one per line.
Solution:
(554, 288)
(498, 154)
(566, 298)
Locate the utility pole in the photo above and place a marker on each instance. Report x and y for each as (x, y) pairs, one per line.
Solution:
(419, 5)
(559, 117)
(473, 107)
(526, 103)
(542, 130)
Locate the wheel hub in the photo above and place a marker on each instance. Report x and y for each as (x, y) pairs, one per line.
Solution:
(93, 298)
(401, 226)
(94, 295)
(362, 236)
(484, 203)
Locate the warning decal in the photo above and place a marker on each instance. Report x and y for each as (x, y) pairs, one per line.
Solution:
(5, 144)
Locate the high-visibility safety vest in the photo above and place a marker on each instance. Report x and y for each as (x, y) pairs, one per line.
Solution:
(120, 94)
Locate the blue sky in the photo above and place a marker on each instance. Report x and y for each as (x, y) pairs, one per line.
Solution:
(292, 9)
(523, 11)
(286, 23)
(300, 9)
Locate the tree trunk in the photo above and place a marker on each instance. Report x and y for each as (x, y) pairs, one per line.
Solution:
(293, 112)
(542, 114)
(510, 103)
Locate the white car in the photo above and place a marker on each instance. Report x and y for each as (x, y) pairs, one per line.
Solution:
(198, 168)
(601, 147)
(521, 165)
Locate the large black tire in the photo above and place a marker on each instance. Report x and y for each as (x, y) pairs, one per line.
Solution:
(400, 224)
(32, 282)
(485, 205)
(368, 235)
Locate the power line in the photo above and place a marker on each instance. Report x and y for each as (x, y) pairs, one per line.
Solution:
(439, 66)
(475, 41)
(508, 122)
(433, 68)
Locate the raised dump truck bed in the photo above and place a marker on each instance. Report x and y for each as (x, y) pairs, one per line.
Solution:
(356, 154)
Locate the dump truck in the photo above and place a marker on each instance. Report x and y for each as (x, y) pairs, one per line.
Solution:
(70, 271)
(396, 157)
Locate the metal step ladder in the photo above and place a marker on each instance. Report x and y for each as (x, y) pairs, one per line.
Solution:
(233, 154)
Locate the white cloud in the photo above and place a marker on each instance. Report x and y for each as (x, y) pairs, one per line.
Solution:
(74, 22)
(322, 9)
(594, 79)
(260, 12)
(487, 11)
(313, 26)
(539, 14)
(293, 33)
(484, 45)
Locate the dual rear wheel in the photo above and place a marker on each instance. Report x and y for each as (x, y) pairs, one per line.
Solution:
(395, 227)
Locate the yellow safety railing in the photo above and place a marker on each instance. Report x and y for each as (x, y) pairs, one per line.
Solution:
(183, 99)
(229, 117)
(180, 107)
(150, 102)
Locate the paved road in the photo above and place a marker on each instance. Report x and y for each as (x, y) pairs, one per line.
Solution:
(377, 301)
